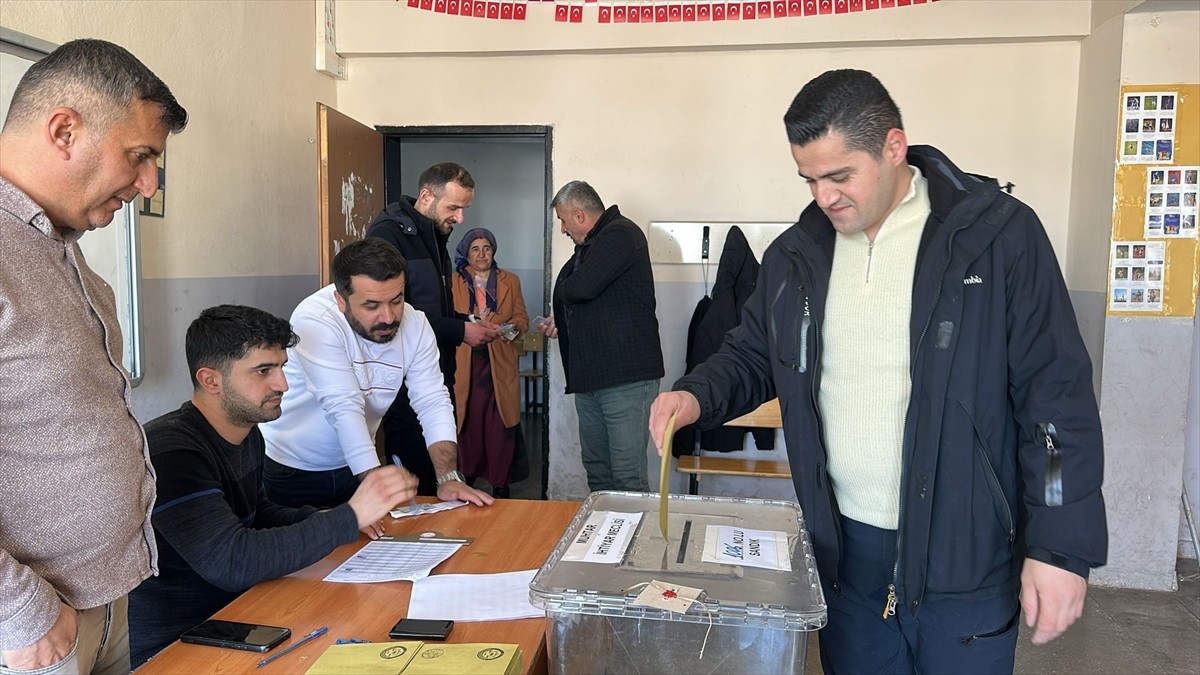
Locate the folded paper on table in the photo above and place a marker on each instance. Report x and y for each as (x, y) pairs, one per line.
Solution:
(419, 658)
(473, 597)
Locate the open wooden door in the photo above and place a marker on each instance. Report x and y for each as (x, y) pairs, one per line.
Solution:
(349, 180)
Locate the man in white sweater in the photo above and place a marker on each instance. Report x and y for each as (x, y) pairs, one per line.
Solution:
(359, 342)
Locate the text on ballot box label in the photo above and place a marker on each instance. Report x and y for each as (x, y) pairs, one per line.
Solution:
(604, 537)
(767, 549)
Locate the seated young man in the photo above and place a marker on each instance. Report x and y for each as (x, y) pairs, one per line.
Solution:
(217, 533)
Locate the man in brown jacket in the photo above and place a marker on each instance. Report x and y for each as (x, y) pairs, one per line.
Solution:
(81, 138)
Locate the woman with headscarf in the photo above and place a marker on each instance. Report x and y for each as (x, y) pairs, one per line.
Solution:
(486, 397)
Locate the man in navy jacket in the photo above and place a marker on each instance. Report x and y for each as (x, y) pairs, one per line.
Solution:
(937, 398)
(420, 227)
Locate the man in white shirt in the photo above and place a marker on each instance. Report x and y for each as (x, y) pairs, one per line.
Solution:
(359, 342)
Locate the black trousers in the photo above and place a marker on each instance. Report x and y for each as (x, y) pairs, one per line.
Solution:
(402, 438)
(295, 487)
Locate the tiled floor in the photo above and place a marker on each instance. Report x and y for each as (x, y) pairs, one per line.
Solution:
(1121, 631)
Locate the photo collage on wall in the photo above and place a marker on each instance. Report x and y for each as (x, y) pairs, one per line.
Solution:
(1137, 283)
(1171, 201)
(1148, 127)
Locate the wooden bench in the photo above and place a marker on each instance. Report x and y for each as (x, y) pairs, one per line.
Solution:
(766, 416)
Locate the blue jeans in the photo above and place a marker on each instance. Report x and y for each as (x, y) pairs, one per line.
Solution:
(614, 431)
(941, 636)
(286, 486)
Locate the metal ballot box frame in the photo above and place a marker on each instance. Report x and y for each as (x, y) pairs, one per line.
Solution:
(748, 619)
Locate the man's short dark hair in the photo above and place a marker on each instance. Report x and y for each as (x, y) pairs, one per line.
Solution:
(226, 333)
(851, 102)
(580, 195)
(97, 79)
(437, 176)
(374, 257)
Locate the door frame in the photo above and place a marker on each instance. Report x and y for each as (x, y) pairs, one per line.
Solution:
(393, 136)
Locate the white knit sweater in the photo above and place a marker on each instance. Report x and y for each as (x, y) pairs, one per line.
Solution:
(865, 381)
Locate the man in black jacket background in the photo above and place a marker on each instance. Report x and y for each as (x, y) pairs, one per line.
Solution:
(937, 398)
(608, 336)
(420, 228)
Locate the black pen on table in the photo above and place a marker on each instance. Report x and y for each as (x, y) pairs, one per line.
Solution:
(397, 462)
(303, 641)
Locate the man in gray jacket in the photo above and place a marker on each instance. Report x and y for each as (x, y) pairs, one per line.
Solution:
(85, 127)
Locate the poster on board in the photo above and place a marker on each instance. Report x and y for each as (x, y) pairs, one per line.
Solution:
(1138, 269)
(1171, 201)
(1148, 127)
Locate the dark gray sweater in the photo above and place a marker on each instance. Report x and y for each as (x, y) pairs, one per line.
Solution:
(217, 533)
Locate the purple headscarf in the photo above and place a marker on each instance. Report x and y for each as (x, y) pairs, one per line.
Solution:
(461, 264)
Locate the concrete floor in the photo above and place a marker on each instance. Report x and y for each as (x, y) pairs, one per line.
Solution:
(1122, 632)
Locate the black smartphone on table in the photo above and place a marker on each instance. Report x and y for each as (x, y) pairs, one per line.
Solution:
(236, 635)
(421, 629)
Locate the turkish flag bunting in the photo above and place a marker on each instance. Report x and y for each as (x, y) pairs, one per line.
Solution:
(466, 8)
(452, 7)
(903, 3)
(779, 9)
(704, 12)
(856, 5)
(764, 9)
(647, 13)
(918, 2)
(718, 11)
(871, 4)
(605, 15)
(660, 14)
(674, 13)
(576, 13)
(733, 11)
(561, 13)
(493, 10)
(519, 12)
(689, 12)
(840, 7)
(635, 15)
(427, 4)
(794, 8)
(506, 11)
(749, 10)
(414, 3)
(810, 7)
(825, 7)
(887, 4)
(439, 6)
(618, 14)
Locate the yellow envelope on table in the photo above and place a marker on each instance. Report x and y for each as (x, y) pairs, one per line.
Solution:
(371, 658)
(479, 658)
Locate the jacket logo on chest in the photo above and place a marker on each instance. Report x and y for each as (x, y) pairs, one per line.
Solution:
(973, 279)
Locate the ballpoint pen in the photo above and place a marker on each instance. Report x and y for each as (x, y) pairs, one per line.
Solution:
(397, 462)
(303, 641)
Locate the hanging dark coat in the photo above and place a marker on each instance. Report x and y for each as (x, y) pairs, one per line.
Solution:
(713, 317)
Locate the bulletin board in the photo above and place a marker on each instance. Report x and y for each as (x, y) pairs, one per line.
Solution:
(1154, 258)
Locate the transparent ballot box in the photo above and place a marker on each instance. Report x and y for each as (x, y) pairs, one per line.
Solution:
(733, 588)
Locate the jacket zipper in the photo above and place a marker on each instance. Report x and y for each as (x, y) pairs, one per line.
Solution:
(1053, 490)
(890, 606)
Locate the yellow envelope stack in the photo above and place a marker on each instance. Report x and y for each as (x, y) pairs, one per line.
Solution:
(419, 658)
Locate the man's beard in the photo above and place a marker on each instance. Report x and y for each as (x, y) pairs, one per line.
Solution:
(367, 334)
(241, 412)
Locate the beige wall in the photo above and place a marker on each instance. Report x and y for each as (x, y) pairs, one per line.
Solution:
(241, 197)
(674, 133)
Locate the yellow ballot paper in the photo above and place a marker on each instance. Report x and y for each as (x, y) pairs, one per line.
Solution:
(371, 658)
(664, 478)
(478, 658)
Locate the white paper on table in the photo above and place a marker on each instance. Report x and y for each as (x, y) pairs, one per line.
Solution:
(383, 560)
(767, 549)
(473, 597)
(422, 509)
(604, 537)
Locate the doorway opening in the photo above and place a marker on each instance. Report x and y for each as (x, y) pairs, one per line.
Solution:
(511, 166)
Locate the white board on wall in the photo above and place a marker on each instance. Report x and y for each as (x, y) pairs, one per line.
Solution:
(678, 242)
(112, 252)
